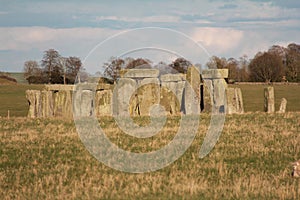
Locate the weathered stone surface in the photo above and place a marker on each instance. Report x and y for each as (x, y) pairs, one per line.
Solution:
(171, 77)
(215, 73)
(59, 87)
(123, 91)
(77, 103)
(63, 104)
(179, 92)
(169, 99)
(141, 73)
(31, 101)
(282, 107)
(149, 95)
(104, 86)
(231, 101)
(47, 103)
(234, 101)
(103, 103)
(208, 95)
(216, 86)
(30, 96)
(38, 105)
(192, 91)
(219, 91)
(86, 107)
(240, 103)
(269, 101)
(35, 105)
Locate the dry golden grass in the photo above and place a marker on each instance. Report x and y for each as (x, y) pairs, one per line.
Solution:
(45, 159)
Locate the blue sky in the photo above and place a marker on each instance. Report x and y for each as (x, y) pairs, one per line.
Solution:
(228, 28)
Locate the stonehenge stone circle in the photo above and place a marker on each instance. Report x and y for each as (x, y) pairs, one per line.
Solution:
(136, 92)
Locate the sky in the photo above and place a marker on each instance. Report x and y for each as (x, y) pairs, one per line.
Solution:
(160, 30)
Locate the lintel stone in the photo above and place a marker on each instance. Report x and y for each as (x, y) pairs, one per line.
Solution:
(215, 73)
(171, 78)
(141, 73)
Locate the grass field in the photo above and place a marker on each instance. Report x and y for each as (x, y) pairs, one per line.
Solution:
(12, 98)
(253, 96)
(45, 159)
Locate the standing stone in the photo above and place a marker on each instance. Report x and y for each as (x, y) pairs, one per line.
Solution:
(103, 104)
(149, 90)
(231, 101)
(234, 101)
(282, 108)
(169, 99)
(192, 91)
(77, 103)
(219, 94)
(30, 96)
(63, 104)
(179, 91)
(240, 101)
(47, 103)
(172, 88)
(38, 104)
(269, 102)
(86, 106)
(208, 95)
(214, 80)
(35, 105)
(123, 91)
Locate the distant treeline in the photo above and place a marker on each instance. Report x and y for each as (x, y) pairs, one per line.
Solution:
(278, 64)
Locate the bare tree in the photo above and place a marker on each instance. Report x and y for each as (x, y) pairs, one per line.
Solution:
(52, 66)
(267, 67)
(113, 67)
(33, 73)
(293, 66)
(31, 68)
(73, 67)
(180, 65)
(217, 63)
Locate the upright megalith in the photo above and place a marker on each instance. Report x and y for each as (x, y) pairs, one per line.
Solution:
(87, 103)
(234, 101)
(192, 91)
(63, 104)
(269, 100)
(282, 107)
(172, 86)
(123, 91)
(103, 103)
(47, 103)
(148, 92)
(214, 80)
(34, 100)
(31, 101)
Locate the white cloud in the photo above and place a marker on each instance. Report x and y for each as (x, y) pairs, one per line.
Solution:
(218, 40)
(25, 38)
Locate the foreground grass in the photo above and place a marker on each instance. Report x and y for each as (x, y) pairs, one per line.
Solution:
(45, 159)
